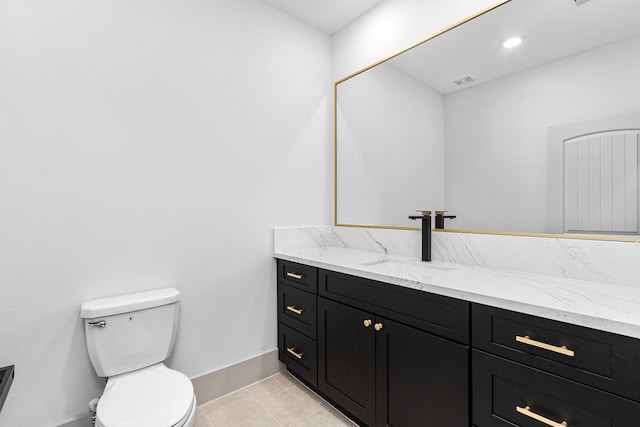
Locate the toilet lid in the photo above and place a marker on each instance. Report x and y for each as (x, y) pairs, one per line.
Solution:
(152, 397)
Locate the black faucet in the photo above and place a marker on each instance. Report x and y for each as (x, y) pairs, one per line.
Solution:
(426, 234)
(440, 217)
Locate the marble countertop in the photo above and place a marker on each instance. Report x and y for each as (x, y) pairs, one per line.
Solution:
(608, 307)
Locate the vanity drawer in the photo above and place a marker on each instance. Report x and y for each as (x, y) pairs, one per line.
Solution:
(297, 309)
(299, 353)
(600, 359)
(509, 394)
(440, 315)
(298, 275)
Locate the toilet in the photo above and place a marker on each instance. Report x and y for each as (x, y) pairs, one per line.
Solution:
(128, 339)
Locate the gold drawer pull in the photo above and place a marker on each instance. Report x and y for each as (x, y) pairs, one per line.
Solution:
(562, 350)
(377, 326)
(294, 309)
(367, 323)
(294, 275)
(527, 411)
(292, 350)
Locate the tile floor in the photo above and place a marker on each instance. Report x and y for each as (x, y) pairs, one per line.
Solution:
(277, 401)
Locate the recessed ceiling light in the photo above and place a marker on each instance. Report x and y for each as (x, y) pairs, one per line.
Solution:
(512, 42)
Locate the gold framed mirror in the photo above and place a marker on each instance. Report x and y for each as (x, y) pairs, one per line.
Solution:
(459, 123)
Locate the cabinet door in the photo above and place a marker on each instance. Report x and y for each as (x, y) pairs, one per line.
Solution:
(422, 379)
(346, 358)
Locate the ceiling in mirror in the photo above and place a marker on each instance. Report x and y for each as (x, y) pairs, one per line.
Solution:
(549, 29)
(462, 124)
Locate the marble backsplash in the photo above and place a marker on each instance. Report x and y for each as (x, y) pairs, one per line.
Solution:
(594, 260)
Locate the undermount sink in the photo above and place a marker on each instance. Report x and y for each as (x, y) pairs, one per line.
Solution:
(409, 265)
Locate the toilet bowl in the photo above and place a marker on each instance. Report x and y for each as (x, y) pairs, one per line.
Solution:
(128, 339)
(150, 397)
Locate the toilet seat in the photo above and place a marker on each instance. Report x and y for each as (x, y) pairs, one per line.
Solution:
(155, 396)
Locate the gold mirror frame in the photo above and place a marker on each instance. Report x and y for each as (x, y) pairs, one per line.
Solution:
(335, 153)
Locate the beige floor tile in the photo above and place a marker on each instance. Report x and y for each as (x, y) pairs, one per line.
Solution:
(269, 387)
(292, 405)
(201, 419)
(278, 401)
(239, 409)
(325, 418)
(303, 388)
(338, 414)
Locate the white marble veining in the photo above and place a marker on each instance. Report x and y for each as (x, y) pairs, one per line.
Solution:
(597, 260)
(601, 261)
(481, 274)
(286, 238)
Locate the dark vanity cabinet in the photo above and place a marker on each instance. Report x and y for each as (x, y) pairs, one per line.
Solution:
(386, 355)
(386, 373)
(390, 356)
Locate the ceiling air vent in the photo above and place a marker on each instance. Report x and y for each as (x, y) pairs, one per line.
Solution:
(464, 80)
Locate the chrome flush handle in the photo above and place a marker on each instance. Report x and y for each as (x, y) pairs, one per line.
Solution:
(100, 324)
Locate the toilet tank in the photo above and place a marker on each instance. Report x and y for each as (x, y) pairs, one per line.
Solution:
(130, 332)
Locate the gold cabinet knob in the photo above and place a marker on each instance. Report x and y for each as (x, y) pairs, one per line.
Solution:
(377, 326)
(367, 323)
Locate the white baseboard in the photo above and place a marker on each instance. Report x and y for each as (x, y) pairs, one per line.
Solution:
(231, 378)
(84, 421)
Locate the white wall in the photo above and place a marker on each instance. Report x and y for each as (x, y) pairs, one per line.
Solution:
(149, 144)
(497, 133)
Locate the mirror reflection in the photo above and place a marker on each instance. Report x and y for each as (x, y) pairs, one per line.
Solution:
(538, 138)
